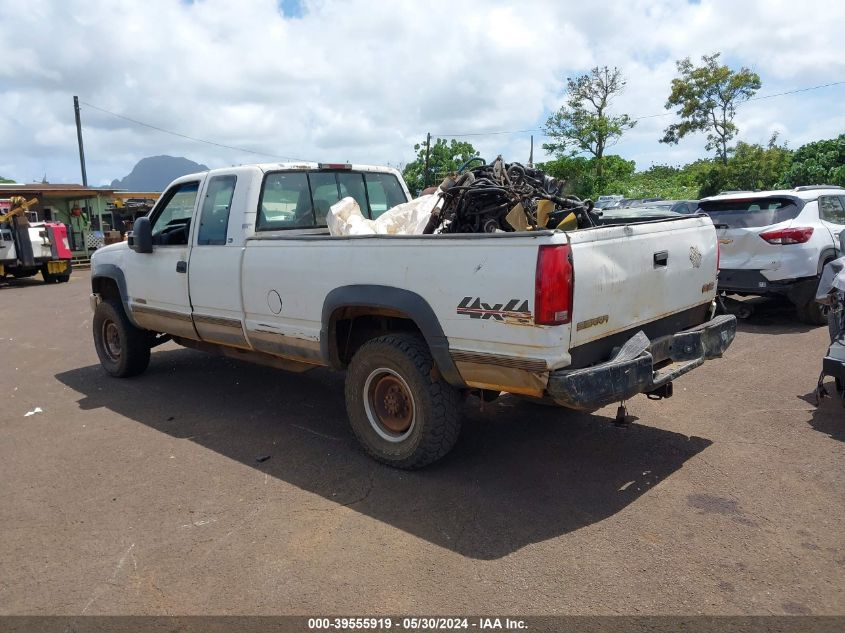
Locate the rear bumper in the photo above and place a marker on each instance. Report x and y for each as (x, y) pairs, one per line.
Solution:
(632, 368)
(753, 282)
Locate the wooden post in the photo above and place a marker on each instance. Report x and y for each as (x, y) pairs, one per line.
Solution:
(81, 154)
(79, 140)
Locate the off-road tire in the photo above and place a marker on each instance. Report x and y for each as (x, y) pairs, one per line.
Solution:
(123, 349)
(436, 421)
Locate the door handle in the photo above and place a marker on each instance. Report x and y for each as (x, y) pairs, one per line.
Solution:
(181, 266)
(661, 258)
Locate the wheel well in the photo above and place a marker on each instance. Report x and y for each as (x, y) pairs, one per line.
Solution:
(352, 326)
(826, 257)
(106, 287)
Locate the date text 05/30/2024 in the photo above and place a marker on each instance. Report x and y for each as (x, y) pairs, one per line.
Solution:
(416, 624)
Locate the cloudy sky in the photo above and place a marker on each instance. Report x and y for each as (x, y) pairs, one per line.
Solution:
(363, 80)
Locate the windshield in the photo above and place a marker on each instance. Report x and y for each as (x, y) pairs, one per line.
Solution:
(753, 213)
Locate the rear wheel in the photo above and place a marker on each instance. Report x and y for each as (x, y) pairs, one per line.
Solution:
(811, 313)
(401, 410)
(123, 349)
(53, 278)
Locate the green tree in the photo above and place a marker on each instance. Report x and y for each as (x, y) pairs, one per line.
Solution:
(659, 181)
(752, 167)
(713, 179)
(706, 97)
(5, 180)
(445, 157)
(755, 167)
(576, 171)
(584, 124)
(579, 172)
(818, 163)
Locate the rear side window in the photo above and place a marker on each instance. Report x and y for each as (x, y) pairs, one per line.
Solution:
(750, 213)
(291, 200)
(285, 202)
(214, 221)
(831, 209)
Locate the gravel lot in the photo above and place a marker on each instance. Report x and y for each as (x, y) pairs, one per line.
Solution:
(145, 496)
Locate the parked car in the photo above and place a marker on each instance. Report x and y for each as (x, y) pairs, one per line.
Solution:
(778, 242)
(685, 206)
(678, 206)
(643, 213)
(239, 262)
(604, 202)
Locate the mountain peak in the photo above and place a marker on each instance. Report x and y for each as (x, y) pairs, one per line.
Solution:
(154, 173)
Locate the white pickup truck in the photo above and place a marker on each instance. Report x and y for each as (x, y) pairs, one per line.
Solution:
(238, 261)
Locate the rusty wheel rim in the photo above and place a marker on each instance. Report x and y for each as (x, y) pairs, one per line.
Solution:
(389, 405)
(111, 340)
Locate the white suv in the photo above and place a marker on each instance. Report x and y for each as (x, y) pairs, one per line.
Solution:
(777, 242)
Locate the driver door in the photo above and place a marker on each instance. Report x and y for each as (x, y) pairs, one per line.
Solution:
(157, 282)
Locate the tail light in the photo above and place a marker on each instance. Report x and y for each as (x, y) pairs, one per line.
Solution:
(553, 285)
(788, 236)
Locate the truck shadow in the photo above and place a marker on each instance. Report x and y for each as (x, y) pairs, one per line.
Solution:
(520, 474)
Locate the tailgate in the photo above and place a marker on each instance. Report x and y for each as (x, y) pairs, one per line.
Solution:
(626, 276)
(740, 246)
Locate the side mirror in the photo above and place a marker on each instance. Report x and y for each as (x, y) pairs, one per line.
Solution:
(141, 237)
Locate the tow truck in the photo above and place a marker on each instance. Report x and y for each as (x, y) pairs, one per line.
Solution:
(29, 248)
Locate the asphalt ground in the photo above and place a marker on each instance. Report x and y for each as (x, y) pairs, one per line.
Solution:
(149, 496)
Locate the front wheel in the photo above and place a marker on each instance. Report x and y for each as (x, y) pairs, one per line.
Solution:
(123, 349)
(401, 410)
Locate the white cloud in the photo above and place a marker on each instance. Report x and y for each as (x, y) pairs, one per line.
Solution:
(363, 80)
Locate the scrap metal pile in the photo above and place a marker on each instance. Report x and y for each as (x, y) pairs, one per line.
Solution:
(507, 197)
(499, 197)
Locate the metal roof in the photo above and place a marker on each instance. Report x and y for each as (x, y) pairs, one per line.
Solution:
(71, 191)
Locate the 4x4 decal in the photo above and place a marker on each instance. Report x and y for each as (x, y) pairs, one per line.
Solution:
(477, 309)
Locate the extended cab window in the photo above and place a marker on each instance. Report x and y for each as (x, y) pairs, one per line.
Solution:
(750, 213)
(286, 203)
(214, 218)
(172, 219)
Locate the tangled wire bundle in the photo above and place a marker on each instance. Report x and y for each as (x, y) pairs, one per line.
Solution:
(479, 200)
